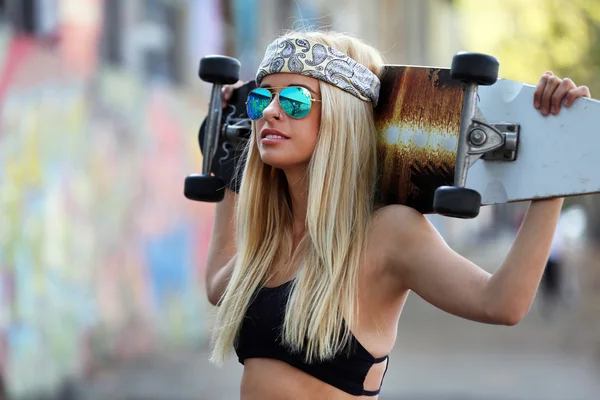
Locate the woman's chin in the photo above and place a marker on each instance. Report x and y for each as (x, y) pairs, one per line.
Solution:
(280, 162)
(276, 163)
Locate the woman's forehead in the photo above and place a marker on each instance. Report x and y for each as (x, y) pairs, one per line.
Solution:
(287, 79)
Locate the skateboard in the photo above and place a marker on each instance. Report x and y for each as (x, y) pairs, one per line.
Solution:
(451, 140)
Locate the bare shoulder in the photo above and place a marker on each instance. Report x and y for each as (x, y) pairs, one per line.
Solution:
(401, 234)
(396, 221)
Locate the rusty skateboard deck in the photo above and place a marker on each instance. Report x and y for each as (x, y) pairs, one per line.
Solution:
(418, 123)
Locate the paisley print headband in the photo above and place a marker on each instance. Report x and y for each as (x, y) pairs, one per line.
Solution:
(304, 57)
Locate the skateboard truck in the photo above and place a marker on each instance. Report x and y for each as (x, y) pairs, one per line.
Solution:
(477, 138)
(235, 131)
(492, 142)
(218, 70)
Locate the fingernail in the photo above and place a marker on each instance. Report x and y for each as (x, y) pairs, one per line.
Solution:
(544, 111)
(554, 110)
(536, 104)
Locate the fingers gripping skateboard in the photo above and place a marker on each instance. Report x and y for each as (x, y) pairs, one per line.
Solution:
(458, 201)
(218, 70)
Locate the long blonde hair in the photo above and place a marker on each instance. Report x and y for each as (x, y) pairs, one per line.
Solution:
(342, 174)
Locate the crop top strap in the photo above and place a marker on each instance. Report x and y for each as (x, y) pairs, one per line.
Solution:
(377, 361)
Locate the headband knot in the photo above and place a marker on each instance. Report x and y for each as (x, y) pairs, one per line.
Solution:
(308, 58)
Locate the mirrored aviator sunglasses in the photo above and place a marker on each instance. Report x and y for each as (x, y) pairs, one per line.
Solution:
(295, 101)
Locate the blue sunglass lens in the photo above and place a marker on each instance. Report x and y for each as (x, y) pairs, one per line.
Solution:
(295, 101)
(258, 100)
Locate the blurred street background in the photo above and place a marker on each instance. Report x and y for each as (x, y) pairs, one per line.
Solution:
(102, 258)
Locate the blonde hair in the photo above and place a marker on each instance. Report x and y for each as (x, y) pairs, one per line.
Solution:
(342, 174)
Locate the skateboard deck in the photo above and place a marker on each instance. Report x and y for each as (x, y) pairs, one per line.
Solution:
(558, 155)
(418, 121)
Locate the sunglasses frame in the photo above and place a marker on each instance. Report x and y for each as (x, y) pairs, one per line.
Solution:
(270, 90)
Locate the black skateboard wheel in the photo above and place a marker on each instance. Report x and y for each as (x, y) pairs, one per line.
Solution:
(210, 189)
(456, 202)
(478, 68)
(219, 69)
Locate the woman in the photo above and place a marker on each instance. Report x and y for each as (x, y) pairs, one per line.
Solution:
(310, 274)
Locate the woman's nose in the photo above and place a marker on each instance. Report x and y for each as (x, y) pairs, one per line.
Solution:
(273, 110)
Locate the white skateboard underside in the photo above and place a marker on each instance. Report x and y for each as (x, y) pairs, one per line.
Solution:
(557, 155)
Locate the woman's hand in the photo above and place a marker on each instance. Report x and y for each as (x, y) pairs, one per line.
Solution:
(552, 92)
(228, 90)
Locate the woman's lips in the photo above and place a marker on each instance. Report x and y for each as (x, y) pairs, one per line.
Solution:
(275, 136)
(269, 131)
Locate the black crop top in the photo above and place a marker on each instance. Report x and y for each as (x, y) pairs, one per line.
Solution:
(260, 337)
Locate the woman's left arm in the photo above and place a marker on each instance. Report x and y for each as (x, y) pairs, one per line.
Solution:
(427, 266)
(511, 290)
(516, 283)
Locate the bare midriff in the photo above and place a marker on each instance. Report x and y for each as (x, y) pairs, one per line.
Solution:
(275, 380)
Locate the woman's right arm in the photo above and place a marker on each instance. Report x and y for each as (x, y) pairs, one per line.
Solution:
(221, 249)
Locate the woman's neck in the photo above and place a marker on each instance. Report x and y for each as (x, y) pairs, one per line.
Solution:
(298, 189)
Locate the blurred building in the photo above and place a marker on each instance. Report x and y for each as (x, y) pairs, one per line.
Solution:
(406, 31)
(100, 253)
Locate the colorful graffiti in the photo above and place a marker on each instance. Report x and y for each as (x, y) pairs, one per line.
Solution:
(100, 253)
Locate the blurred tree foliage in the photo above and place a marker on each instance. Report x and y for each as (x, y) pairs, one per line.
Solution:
(530, 37)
